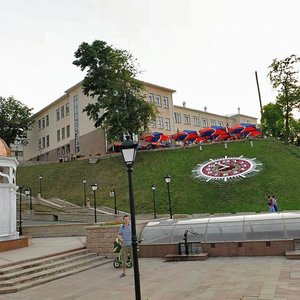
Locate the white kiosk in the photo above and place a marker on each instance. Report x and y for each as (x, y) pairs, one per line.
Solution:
(8, 189)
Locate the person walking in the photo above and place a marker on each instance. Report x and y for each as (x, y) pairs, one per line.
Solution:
(275, 203)
(125, 236)
(270, 204)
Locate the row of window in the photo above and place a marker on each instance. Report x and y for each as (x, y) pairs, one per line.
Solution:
(62, 112)
(44, 142)
(44, 122)
(161, 123)
(196, 120)
(160, 101)
(61, 133)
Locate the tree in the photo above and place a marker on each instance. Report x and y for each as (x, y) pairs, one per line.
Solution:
(283, 78)
(15, 120)
(272, 121)
(120, 106)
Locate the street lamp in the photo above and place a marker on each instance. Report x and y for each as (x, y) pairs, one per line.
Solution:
(27, 192)
(84, 191)
(40, 180)
(114, 195)
(94, 188)
(128, 149)
(153, 187)
(20, 210)
(168, 180)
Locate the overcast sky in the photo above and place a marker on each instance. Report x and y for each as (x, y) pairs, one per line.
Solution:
(208, 51)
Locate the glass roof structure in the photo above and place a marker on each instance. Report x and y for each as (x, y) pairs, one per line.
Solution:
(270, 226)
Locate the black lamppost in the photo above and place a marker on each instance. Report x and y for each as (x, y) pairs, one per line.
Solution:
(84, 191)
(168, 180)
(40, 180)
(27, 192)
(114, 195)
(94, 188)
(153, 187)
(20, 210)
(128, 149)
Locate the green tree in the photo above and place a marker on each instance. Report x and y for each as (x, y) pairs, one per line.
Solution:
(120, 105)
(15, 120)
(272, 121)
(283, 77)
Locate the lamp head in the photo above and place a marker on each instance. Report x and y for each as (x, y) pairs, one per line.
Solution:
(40, 177)
(27, 191)
(153, 187)
(94, 186)
(168, 179)
(128, 149)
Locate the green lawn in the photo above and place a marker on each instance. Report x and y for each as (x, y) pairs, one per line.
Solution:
(280, 177)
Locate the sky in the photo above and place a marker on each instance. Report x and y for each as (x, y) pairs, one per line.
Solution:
(208, 51)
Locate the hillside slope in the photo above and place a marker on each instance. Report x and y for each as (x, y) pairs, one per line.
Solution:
(280, 177)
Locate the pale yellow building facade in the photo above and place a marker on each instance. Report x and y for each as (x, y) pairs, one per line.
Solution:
(62, 130)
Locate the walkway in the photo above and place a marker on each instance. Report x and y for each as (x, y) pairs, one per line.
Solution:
(247, 278)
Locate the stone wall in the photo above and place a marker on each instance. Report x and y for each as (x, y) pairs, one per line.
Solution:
(55, 230)
(100, 239)
(249, 248)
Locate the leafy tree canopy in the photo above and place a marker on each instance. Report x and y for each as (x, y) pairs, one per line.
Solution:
(120, 105)
(272, 120)
(15, 120)
(283, 77)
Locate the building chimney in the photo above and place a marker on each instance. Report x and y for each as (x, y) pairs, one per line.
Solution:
(183, 103)
(239, 110)
(205, 108)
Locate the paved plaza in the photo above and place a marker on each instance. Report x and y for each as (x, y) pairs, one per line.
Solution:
(247, 278)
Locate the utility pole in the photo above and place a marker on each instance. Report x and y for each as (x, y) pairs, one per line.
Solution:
(261, 109)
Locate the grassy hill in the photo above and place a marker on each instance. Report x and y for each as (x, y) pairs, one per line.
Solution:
(280, 177)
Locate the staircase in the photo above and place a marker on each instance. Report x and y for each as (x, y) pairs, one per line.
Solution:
(29, 273)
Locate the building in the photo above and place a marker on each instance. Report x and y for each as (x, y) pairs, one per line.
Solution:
(62, 130)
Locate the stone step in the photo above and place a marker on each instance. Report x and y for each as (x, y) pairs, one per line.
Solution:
(183, 257)
(293, 254)
(50, 272)
(41, 260)
(40, 281)
(42, 266)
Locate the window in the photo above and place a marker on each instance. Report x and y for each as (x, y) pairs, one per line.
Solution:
(43, 123)
(212, 122)
(186, 119)
(76, 124)
(151, 97)
(68, 130)
(62, 112)
(196, 121)
(63, 132)
(152, 123)
(67, 109)
(58, 135)
(44, 142)
(57, 115)
(58, 152)
(177, 117)
(167, 124)
(40, 144)
(47, 120)
(204, 122)
(160, 122)
(47, 141)
(165, 102)
(220, 123)
(39, 124)
(158, 100)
